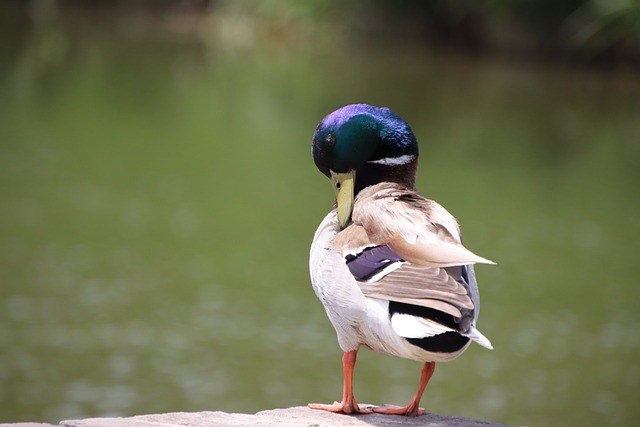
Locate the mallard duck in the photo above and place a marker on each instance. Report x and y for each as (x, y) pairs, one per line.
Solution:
(387, 263)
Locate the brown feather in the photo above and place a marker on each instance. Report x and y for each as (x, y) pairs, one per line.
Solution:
(419, 230)
(428, 287)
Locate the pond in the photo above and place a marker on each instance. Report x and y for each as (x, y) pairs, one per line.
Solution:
(158, 200)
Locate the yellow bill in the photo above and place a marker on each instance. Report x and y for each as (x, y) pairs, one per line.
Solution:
(343, 185)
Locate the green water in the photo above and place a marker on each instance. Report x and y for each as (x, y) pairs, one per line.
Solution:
(158, 200)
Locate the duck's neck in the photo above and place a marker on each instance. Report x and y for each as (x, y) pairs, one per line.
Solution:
(373, 173)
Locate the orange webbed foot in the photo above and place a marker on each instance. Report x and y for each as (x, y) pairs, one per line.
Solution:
(342, 408)
(409, 410)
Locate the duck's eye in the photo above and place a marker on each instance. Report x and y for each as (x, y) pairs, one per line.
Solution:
(338, 185)
(330, 140)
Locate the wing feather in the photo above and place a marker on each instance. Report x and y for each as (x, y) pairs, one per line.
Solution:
(429, 287)
(419, 230)
(405, 248)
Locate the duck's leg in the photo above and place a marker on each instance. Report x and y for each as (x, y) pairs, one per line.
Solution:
(348, 404)
(413, 408)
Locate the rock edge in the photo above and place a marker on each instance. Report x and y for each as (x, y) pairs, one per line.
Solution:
(295, 416)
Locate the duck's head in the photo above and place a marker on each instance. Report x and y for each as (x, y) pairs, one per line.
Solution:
(360, 145)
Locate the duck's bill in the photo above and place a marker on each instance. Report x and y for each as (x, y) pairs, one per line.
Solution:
(343, 185)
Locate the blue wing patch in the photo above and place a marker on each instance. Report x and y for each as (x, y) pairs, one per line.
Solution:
(371, 261)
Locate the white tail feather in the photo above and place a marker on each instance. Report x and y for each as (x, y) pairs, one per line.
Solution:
(477, 336)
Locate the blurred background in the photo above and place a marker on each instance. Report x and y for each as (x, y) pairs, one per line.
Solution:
(158, 200)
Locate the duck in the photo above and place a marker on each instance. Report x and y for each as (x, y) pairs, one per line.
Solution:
(388, 264)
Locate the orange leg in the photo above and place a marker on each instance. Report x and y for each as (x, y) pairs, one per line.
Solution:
(413, 408)
(348, 404)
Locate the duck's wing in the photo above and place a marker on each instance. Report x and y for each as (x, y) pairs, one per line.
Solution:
(417, 229)
(406, 249)
(422, 286)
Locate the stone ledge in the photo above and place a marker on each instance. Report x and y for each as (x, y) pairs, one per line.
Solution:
(296, 416)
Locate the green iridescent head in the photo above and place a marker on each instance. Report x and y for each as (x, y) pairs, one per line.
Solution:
(364, 145)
